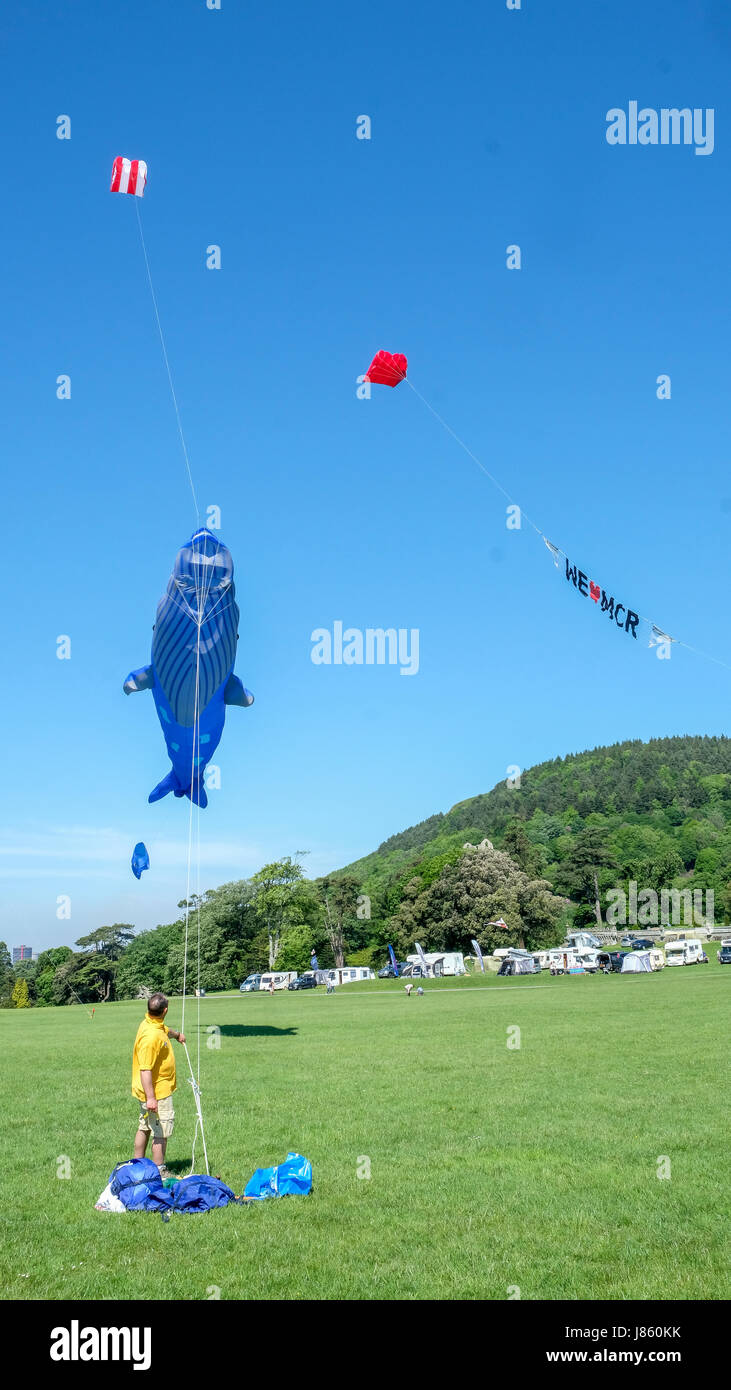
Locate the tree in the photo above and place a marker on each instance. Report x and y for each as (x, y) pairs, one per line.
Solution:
(108, 941)
(522, 851)
(484, 886)
(145, 960)
(278, 889)
(338, 896)
(20, 996)
(296, 949)
(589, 866)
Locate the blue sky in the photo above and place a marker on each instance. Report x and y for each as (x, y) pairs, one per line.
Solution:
(488, 129)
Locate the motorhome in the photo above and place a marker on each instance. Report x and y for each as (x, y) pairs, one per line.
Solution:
(441, 962)
(281, 979)
(567, 958)
(683, 953)
(583, 938)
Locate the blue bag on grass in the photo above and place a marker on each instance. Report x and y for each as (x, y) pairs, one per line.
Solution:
(138, 1185)
(286, 1180)
(199, 1193)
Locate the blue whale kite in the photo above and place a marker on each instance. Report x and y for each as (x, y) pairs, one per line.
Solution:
(193, 654)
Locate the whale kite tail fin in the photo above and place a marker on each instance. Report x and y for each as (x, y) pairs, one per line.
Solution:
(197, 793)
(171, 783)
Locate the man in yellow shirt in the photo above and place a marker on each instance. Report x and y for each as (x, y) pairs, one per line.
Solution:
(153, 1080)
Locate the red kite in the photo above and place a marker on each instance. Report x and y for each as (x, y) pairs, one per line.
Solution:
(387, 369)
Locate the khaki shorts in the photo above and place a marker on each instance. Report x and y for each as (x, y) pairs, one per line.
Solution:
(159, 1123)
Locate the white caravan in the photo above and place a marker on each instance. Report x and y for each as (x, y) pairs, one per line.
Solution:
(683, 953)
(346, 974)
(281, 978)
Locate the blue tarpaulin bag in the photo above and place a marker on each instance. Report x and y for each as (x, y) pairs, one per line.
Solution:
(196, 1193)
(139, 1187)
(286, 1180)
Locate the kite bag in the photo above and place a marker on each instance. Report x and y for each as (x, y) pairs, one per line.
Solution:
(286, 1180)
(139, 1187)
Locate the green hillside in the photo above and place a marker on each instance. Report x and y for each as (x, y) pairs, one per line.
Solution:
(657, 812)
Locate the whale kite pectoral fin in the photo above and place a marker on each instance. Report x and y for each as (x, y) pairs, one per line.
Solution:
(236, 693)
(144, 679)
(168, 784)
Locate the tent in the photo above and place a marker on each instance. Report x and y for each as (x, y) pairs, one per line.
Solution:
(635, 962)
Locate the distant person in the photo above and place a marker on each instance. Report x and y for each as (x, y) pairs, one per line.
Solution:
(419, 990)
(153, 1080)
(271, 986)
(408, 987)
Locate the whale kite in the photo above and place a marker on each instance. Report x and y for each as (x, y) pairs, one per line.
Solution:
(193, 654)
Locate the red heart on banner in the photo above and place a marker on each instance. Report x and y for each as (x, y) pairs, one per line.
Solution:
(595, 591)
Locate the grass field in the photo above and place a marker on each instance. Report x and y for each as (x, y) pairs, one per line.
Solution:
(490, 1167)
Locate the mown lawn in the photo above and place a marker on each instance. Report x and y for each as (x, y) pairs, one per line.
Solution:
(490, 1167)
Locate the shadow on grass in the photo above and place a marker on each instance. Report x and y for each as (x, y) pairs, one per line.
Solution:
(178, 1166)
(264, 1030)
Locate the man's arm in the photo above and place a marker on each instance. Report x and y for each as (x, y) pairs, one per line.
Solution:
(179, 1037)
(149, 1089)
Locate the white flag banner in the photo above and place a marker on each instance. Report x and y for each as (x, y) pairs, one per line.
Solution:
(555, 552)
(422, 958)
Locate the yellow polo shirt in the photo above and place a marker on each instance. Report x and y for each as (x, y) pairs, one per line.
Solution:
(153, 1051)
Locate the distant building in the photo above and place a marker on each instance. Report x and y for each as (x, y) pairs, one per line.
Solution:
(22, 953)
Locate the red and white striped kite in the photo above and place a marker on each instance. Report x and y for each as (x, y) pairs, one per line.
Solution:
(129, 176)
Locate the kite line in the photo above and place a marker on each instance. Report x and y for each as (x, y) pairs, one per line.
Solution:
(658, 635)
(167, 364)
(130, 176)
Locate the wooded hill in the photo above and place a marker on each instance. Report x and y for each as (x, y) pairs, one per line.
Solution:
(657, 812)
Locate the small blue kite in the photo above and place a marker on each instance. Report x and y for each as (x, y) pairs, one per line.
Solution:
(140, 859)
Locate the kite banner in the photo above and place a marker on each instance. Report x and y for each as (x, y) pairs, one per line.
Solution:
(128, 176)
(422, 958)
(394, 961)
(625, 618)
(478, 953)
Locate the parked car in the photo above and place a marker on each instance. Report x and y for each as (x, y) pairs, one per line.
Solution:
(724, 955)
(251, 983)
(303, 982)
(643, 943)
(388, 972)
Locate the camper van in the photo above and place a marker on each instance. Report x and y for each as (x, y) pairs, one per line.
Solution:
(583, 938)
(683, 953)
(568, 958)
(281, 978)
(441, 962)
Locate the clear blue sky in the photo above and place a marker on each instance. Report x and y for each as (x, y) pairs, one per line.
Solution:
(488, 128)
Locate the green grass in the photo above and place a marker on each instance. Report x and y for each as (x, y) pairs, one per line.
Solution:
(490, 1167)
